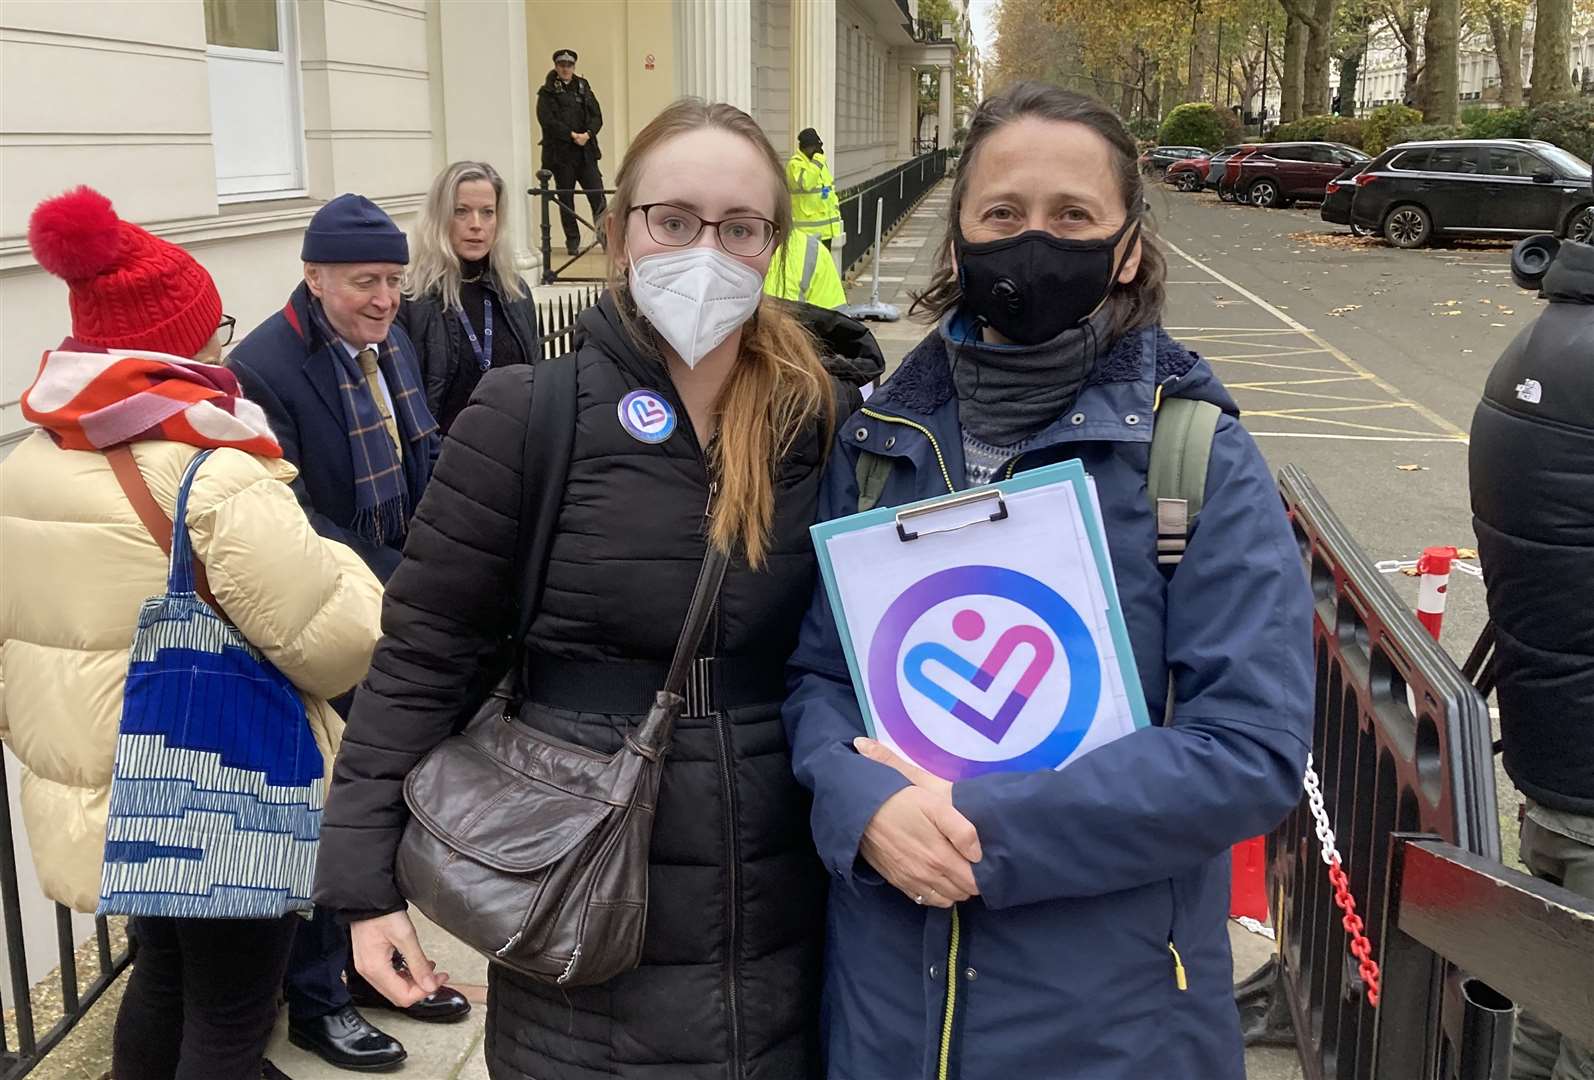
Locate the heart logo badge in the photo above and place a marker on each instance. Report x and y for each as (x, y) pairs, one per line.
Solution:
(646, 416)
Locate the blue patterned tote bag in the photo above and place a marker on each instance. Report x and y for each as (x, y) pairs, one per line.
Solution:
(216, 798)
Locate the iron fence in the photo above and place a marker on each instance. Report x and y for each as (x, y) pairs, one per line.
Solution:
(556, 319)
(891, 195)
(75, 998)
(549, 202)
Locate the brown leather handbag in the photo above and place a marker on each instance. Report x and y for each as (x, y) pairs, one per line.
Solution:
(529, 849)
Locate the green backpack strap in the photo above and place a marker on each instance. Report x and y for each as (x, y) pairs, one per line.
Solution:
(873, 471)
(1176, 480)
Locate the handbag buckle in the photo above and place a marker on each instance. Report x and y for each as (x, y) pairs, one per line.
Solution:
(699, 690)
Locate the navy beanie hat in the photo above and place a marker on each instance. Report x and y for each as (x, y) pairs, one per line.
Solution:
(353, 229)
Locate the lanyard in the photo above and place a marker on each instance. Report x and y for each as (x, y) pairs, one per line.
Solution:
(484, 352)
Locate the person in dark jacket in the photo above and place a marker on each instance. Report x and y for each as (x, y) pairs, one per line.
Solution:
(568, 112)
(1069, 924)
(726, 449)
(1532, 477)
(465, 309)
(341, 388)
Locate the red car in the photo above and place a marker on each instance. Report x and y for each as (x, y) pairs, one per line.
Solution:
(1277, 174)
(1189, 174)
(1231, 171)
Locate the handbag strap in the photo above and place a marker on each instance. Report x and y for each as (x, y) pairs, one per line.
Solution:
(704, 597)
(545, 465)
(154, 518)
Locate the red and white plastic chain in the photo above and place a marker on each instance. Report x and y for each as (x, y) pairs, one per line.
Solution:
(1360, 947)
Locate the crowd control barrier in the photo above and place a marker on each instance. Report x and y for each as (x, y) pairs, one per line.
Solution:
(58, 1003)
(1401, 744)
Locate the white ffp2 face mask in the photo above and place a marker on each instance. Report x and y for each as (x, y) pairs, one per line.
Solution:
(694, 298)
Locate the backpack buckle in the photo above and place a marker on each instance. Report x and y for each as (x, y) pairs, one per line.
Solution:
(1173, 531)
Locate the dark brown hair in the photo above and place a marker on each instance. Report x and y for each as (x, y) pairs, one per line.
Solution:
(1130, 306)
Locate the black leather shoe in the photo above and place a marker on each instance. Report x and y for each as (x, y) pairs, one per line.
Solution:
(268, 1071)
(444, 1006)
(346, 1040)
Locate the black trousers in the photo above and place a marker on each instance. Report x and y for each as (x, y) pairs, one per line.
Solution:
(321, 954)
(202, 999)
(582, 173)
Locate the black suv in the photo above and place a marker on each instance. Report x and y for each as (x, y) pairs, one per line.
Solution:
(1155, 161)
(1500, 187)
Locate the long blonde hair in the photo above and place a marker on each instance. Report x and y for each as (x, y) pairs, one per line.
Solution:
(435, 270)
(777, 387)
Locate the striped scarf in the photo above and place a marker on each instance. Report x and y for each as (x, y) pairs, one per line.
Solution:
(88, 398)
(381, 495)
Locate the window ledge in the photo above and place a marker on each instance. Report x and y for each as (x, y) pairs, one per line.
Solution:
(234, 221)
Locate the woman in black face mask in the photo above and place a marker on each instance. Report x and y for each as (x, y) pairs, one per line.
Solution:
(1061, 924)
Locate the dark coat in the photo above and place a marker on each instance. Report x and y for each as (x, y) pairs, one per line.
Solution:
(441, 344)
(1532, 470)
(286, 367)
(729, 982)
(1064, 966)
(561, 109)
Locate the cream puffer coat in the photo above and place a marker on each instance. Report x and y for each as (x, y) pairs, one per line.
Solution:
(77, 566)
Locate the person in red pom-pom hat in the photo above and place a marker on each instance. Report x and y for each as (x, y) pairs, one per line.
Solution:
(124, 406)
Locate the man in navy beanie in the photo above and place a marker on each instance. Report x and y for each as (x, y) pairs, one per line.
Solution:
(340, 384)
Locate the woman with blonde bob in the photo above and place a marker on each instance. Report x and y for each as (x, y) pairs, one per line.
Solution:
(726, 450)
(465, 307)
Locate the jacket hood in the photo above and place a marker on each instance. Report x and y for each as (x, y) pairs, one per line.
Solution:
(924, 381)
(1570, 279)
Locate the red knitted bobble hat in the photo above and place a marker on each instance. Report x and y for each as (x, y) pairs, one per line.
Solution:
(129, 290)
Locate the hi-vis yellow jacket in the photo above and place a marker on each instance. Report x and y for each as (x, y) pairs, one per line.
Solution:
(803, 270)
(814, 205)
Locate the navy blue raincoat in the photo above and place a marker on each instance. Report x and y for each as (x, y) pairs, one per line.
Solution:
(1097, 948)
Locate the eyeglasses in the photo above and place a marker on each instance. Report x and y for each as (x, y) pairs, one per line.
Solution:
(672, 226)
(229, 323)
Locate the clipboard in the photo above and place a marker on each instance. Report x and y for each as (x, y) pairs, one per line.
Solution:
(982, 629)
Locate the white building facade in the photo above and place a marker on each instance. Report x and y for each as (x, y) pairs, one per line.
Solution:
(1382, 79)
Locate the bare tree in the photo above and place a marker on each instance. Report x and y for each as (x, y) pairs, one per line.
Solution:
(1505, 34)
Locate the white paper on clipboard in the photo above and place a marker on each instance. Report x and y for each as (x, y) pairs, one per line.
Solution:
(991, 640)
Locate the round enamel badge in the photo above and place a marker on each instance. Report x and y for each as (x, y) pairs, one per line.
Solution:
(646, 416)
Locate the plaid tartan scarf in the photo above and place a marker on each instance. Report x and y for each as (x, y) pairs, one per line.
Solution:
(381, 495)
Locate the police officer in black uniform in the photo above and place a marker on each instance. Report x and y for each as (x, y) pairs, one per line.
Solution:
(570, 118)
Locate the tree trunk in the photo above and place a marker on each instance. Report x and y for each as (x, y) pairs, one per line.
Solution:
(1350, 67)
(1406, 31)
(1319, 41)
(1552, 52)
(1126, 99)
(1505, 34)
(1200, 59)
(1441, 100)
(1291, 75)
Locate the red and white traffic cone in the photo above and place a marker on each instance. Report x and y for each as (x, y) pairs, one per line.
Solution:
(1434, 569)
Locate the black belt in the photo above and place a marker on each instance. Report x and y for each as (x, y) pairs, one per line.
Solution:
(627, 686)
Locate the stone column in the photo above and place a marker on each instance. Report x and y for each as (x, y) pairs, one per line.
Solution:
(481, 56)
(946, 106)
(813, 70)
(907, 110)
(714, 50)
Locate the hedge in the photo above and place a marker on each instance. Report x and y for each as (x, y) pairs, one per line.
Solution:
(1193, 124)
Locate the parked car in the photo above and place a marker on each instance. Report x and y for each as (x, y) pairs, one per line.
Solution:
(1278, 174)
(1489, 187)
(1156, 160)
(1217, 162)
(1337, 198)
(1189, 174)
(1231, 171)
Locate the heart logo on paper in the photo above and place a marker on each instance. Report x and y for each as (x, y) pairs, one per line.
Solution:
(970, 626)
(941, 679)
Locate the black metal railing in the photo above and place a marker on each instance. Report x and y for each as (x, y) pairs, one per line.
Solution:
(890, 196)
(551, 200)
(75, 998)
(556, 319)
(929, 31)
(1401, 746)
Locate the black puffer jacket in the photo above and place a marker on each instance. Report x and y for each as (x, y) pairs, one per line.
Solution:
(441, 344)
(564, 107)
(728, 986)
(1532, 471)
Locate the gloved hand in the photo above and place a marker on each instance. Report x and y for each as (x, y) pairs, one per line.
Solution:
(824, 192)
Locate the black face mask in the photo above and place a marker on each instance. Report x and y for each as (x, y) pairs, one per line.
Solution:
(1033, 286)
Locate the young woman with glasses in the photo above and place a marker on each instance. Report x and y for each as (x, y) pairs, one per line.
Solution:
(703, 414)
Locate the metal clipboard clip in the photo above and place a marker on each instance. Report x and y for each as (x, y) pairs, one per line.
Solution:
(967, 499)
